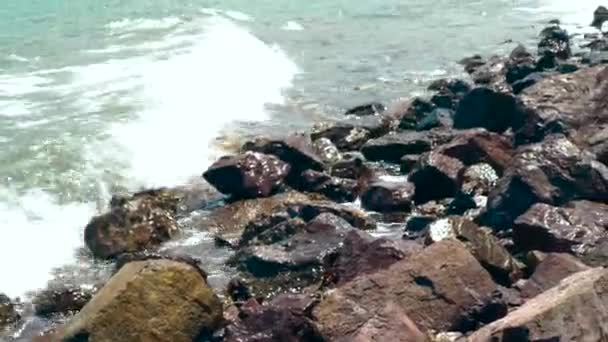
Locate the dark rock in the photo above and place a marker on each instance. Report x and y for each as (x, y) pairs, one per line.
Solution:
(271, 229)
(439, 117)
(435, 177)
(550, 271)
(454, 86)
(354, 216)
(438, 288)
(360, 254)
(392, 147)
(8, 312)
(351, 166)
(272, 323)
(352, 133)
(526, 82)
(238, 290)
(492, 74)
(367, 109)
(416, 227)
(574, 310)
(519, 53)
(133, 224)
(384, 196)
(416, 111)
(445, 100)
(408, 162)
(327, 151)
(521, 64)
(554, 171)
(600, 15)
(567, 68)
(248, 175)
(555, 42)
(579, 227)
(65, 300)
(296, 150)
(471, 64)
(481, 243)
(494, 111)
(337, 189)
(461, 204)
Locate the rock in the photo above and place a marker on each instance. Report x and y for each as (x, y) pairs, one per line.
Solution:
(526, 82)
(438, 118)
(574, 310)
(361, 254)
(454, 86)
(481, 243)
(295, 150)
(479, 179)
(408, 162)
(435, 177)
(154, 300)
(567, 68)
(8, 312)
(271, 229)
(577, 100)
(270, 323)
(383, 196)
(367, 109)
(549, 272)
(337, 189)
(417, 110)
(491, 74)
(484, 107)
(238, 291)
(354, 216)
(521, 64)
(519, 53)
(65, 300)
(351, 134)
(392, 147)
(351, 167)
(327, 151)
(416, 226)
(600, 15)
(578, 227)
(554, 171)
(554, 42)
(249, 175)
(440, 288)
(133, 224)
(471, 64)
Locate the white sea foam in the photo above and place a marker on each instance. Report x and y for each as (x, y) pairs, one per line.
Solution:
(292, 26)
(141, 24)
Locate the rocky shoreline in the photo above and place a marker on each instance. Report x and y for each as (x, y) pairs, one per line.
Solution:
(499, 185)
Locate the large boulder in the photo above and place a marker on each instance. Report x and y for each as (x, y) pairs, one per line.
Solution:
(554, 171)
(132, 224)
(153, 300)
(549, 272)
(296, 150)
(574, 310)
(441, 288)
(392, 147)
(487, 108)
(481, 243)
(360, 254)
(579, 227)
(387, 196)
(248, 175)
(600, 15)
(435, 177)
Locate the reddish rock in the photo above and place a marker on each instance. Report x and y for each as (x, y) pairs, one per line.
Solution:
(388, 196)
(550, 271)
(248, 175)
(578, 227)
(574, 310)
(296, 150)
(441, 288)
(351, 166)
(392, 147)
(484, 107)
(351, 134)
(337, 189)
(435, 177)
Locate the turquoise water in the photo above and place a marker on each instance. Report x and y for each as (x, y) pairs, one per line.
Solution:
(101, 96)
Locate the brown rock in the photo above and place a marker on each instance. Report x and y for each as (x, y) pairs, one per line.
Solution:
(65, 300)
(133, 224)
(492, 110)
(296, 150)
(388, 196)
(392, 147)
(550, 271)
(334, 188)
(579, 227)
(352, 133)
(154, 300)
(436, 177)
(439, 288)
(574, 310)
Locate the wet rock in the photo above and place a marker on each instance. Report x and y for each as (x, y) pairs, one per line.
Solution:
(154, 300)
(526, 82)
(133, 224)
(337, 189)
(327, 151)
(479, 179)
(65, 300)
(354, 216)
(351, 134)
(238, 291)
(248, 175)
(417, 110)
(572, 311)
(272, 323)
(454, 86)
(521, 64)
(491, 74)
(367, 109)
(416, 226)
(600, 15)
(554, 42)
(296, 150)
(439, 117)
(383, 196)
(351, 166)
(484, 107)
(481, 243)
(360, 254)
(392, 147)
(8, 312)
(549, 272)
(438, 288)
(567, 68)
(271, 229)
(435, 177)
(408, 162)
(578, 227)
(303, 250)
(471, 64)
(554, 171)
